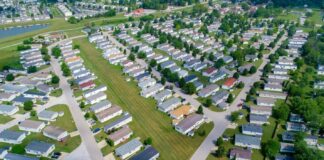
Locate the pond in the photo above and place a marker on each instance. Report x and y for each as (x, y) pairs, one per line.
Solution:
(14, 31)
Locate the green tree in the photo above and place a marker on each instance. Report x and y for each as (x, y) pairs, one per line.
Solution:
(236, 75)
(163, 80)
(153, 63)
(271, 148)
(131, 57)
(10, 77)
(230, 98)
(281, 111)
(235, 116)
(55, 79)
(82, 104)
(32, 69)
(240, 85)
(182, 82)
(18, 149)
(253, 69)
(28, 105)
(189, 88)
(200, 110)
(56, 52)
(110, 142)
(208, 102)
(220, 151)
(219, 141)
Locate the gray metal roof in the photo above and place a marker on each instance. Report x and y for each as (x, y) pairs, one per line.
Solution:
(101, 104)
(12, 156)
(260, 118)
(7, 108)
(39, 146)
(12, 135)
(116, 122)
(189, 121)
(46, 114)
(240, 138)
(147, 154)
(172, 101)
(128, 147)
(252, 128)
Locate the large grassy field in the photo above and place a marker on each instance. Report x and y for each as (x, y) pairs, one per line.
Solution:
(9, 56)
(147, 120)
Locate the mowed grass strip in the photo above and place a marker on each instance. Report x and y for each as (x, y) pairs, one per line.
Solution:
(147, 120)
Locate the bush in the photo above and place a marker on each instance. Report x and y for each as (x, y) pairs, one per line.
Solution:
(56, 52)
(10, 77)
(240, 85)
(23, 47)
(110, 142)
(28, 105)
(33, 113)
(32, 69)
(18, 149)
(235, 116)
(148, 141)
(55, 79)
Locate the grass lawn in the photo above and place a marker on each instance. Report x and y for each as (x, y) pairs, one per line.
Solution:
(55, 11)
(72, 33)
(316, 17)
(56, 93)
(5, 119)
(147, 120)
(10, 57)
(67, 117)
(258, 63)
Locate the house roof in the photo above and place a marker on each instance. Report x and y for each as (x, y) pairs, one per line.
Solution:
(148, 153)
(252, 128)
(259, 118)
(189, 121)
(128, 147)
(124, 131)
(12, 156)
(7, 108)
(230, 82)
(240, 138)
(210, 70)
(101, 104)
(12, 135)
(208, 89)
(53, 131)
(31, 124)
(220, 95)
(21, 99)
(39, 146)
(109, 111)
(166, 104)
(241, 153)
(116, 122)
(47, 114)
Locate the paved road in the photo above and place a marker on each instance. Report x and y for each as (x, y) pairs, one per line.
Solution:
(221, 119)
(82, 125)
